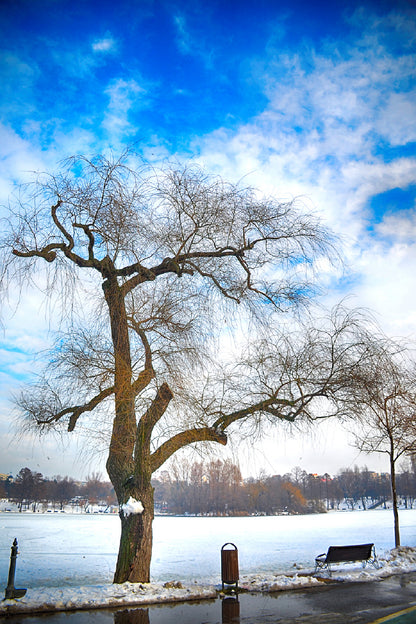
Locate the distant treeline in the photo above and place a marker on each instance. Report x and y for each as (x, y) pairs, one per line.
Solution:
(31, 490)
(217, 488)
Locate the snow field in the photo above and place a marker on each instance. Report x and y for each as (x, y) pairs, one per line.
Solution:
(66, 561)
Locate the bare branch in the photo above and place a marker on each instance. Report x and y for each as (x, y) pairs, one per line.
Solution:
(36, 409)
(149, 419)
(180, 440)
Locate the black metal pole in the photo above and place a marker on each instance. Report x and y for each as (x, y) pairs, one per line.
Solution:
(11, 591)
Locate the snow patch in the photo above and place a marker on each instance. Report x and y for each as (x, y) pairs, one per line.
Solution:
(45, 599)
(277, 582)
(132, 507)
(397, 561)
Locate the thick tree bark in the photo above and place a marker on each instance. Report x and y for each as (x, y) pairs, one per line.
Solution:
(135, 552)
(129, 460)
(124, 425)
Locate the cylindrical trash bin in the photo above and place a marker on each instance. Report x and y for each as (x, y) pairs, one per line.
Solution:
(229, 565)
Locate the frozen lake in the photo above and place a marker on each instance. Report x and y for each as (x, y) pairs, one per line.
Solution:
(65, 549)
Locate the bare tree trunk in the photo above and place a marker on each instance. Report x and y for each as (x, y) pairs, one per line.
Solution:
(135, 552)
(394, 498)
(123, 436)
(129, 475)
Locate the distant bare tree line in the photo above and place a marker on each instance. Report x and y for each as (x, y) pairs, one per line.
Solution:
(217, 488)
(31, 490)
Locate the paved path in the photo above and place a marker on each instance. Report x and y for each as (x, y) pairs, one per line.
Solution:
(338, 603)
(405, 616)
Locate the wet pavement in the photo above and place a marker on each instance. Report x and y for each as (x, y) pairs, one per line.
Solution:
(336, 603)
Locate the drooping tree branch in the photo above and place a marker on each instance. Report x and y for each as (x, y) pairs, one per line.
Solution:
(88, 406)
(74, 411)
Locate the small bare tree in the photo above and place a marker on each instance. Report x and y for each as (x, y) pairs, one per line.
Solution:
(154, 270)
(388, 409)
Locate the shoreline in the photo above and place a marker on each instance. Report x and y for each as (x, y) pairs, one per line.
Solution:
(400, 561)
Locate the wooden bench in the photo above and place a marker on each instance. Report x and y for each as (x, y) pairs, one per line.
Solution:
(347, 554)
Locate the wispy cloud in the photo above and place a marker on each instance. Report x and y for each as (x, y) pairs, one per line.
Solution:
(125, 95)
(183, 37)
(17, 78)
(105, 45)
(191, 41)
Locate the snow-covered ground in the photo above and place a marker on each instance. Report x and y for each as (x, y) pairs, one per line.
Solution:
(59, 550)
(46, 599)
(67, 561)
(398, 561)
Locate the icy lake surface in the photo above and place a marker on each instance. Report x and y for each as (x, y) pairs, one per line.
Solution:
(64, 549)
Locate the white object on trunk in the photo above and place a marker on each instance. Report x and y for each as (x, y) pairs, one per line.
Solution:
(132, 507)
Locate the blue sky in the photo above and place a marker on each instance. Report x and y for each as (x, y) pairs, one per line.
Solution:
(309, 99)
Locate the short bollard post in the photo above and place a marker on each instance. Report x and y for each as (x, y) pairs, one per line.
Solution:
(11, 591)
(229, 565)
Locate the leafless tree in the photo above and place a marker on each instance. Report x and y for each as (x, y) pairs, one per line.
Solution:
(154, 271)
(29, 488)
(387, 408)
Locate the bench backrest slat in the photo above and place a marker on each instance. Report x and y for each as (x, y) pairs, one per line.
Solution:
(356, 552)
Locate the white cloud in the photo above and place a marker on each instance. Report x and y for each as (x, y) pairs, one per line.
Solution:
(105, 45)
(397, 121)
(365, 180)
(18, 77)
(40, 454)
(19, 159)
(401, 225)
(319, 138)
(16, 73)
(124, 96)
(387, 286)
